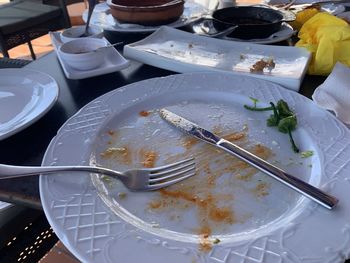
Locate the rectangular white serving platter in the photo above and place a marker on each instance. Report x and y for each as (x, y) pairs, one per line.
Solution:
(114, 61)
(180, 51)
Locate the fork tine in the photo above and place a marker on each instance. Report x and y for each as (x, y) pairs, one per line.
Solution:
(170, 171)
(165, 167)
(172, 175)
(165, 184)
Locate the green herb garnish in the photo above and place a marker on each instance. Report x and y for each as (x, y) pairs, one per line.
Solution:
(282, 118)
(216, 241)
(287, 125)
(274, 119)
(254, 108)
(306, 154)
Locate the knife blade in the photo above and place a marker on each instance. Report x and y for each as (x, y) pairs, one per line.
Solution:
(295, 183)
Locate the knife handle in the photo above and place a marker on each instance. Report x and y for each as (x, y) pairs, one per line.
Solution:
(300, 186)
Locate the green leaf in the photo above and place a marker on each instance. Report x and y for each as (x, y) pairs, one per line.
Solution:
(255, 101)
(272, 120)
(287, 124)
(283, 109)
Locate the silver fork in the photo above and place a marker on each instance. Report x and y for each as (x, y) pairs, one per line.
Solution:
(145, 179)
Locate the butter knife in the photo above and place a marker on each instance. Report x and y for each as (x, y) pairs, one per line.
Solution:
(300, 186)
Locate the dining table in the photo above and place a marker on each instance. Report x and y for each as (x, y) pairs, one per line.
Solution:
(28, 146)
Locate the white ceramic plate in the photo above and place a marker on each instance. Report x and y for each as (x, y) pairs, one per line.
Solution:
(103, 18)
(180, 51)
(25, 96)
(4, 206)
(252, 218)
(284, 33)
(113, 62)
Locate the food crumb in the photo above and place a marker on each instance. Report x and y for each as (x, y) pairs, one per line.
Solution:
(149, 158)
(144, 113)
(261, 64)
(306, 154)
(216, 241)
(110, 152)
(261, 189)
(122, 195)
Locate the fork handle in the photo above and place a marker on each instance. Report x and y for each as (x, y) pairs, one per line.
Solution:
(12, 171)
(300, 186)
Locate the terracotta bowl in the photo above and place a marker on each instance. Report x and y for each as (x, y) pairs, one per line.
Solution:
(146, 12)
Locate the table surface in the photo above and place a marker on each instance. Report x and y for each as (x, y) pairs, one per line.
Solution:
(28, 146)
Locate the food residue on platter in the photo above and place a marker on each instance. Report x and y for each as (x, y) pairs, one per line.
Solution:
(144, 113)
(122, 195)
(113, 136)
(213, 209)
(189, 142)
(111, 132)
(262, 64)
(148, 158)
(261, 190)
(121, 154)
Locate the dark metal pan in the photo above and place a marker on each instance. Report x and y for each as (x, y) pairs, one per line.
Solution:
(251, 21)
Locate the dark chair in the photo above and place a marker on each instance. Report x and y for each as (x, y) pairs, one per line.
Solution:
(24, 20)
(13, 63)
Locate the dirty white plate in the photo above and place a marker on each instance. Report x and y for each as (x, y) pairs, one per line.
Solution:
(226, 212)
(103, 18)
(182, 52)
(113, 62)
(25, 96)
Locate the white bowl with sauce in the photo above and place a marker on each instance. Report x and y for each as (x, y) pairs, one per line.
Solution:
(76, 32)
(82, 54)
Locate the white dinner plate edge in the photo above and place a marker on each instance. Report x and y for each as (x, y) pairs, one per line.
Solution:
(40, 114)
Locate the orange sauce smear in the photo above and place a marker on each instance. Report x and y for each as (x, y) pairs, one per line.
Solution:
(148, 158)
(197, 192)
(144, 113)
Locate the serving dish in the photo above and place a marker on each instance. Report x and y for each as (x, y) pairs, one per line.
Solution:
(284, 33)
(25, 96)
(149, 13)
(250, 21)
(76, 32)
(182, 52)
(100, 221)
(114, 61)
(84, 53)
(103, 18)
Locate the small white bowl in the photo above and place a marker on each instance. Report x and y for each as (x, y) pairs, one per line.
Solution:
(81, 53)
(75, 33)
